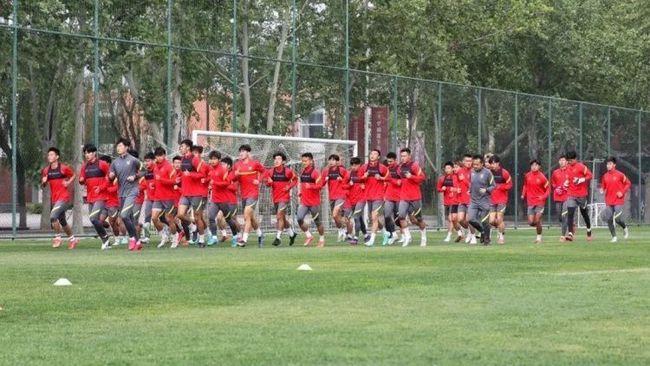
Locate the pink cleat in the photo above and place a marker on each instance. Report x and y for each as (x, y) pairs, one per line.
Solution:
(132, 244)
(73, 243)
(56, 242)
(321, 242)
(308, 240)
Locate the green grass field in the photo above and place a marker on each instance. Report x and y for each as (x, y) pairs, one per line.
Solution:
(445, 304)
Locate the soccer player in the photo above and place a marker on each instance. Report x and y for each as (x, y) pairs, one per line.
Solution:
(193, 190)
(125, 168)
(481, 188)
(337, 178)
(311, 183)
(224, 196)
(410, 203)
(147, 183)
(356, 200)
(463, 170)
(281, 179)
(113, 206)
(162, 209)
(559, 183)
(139, 200)
(448, 186)
(375, 175)
(614, 185)
(536, 190)
(499, 196)
(93, 175)
(248, 172)
(58, 177)
(578, 190)
(183, 230)
(391, 199)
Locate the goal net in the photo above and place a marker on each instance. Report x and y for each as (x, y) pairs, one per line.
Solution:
(263, 147)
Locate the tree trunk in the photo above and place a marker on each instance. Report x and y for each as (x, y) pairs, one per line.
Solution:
(179, 122)
(270, 114)
(79, 110)
(246, 87)
(412, 115)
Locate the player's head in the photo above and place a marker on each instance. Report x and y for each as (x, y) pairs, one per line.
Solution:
(571, 157)
(185, 146)
(355, 162)
(149, 159)
(90, 152)
(535, 165)
(197, 150)
(374, 155)
(562, 161)
(486, 160)
(333, 160)
(176, 162)
(477, 162)
(244, 151)
(457, 165)
(448, 167)
(134, 153)
(279, 159)
(160, 154)
(307, 159)
(467, 160)
(405, 155)
(391, 157)
(611, 163)
(226, 163)
(53, 155)
(495, 162)
(122, 146)
(214, 157)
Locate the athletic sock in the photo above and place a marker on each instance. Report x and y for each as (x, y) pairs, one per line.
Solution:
(259, 232)
(278, 234)
(290, 231)
(308, 234)
(201, 238)
(224, 232)
(245, 237)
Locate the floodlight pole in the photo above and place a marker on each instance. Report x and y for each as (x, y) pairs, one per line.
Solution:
(14, 118)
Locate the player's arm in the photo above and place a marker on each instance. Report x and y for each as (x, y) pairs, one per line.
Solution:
(626, 184)
(293, 179)
(417, 174)
(440, 184)
(167, 177)
(491, 184)
(524, 189)
(507, 185)
(547, 188)
(68, 172)
(82, 174)
(588, 174)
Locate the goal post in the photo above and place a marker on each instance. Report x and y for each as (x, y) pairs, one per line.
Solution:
(263, 147)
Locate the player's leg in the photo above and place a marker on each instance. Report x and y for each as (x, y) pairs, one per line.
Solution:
(618, 218)
(97, 213)
(375, 213)
(359, 222)
(571, 205)
(280, 218)
(198, 205)
(609, 218)
(315, 216)
(585, 215)
(300, 216)
(127, 205)
(539, 215)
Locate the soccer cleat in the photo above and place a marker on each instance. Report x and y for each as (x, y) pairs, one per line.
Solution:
(224, 238)
(589, 238)
(144, 240)
(569, 237)
(626, 233)
(212, 240)
(459, 238)
(485, 242)
(276, 242)
(321, 242)
(538, 241)
(562, 239)
(260, 241)
(132, 244)
(469, 238)
(614, 240)
(56, 242)
(124, 240)
(447, 239)
(353, 241)
(385, 239)
(106, 244)
(501, 241)
(472, 240)
(200, 244)
(308, 240)
(174, 244)
(392, 239)
(406, 243)
(233, 241)
(138, 246)
(73, 243)
(341, 237)
(292, 239)
(366, 238)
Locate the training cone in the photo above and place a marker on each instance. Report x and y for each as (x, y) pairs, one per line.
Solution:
(304, 267)
(62, 282)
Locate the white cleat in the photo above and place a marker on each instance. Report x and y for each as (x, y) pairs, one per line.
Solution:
(106, 244)
(406, 242)
(447, 239)
(469, 237)
(472, 240)
(614, 240)
(423, 243)
(627, 233)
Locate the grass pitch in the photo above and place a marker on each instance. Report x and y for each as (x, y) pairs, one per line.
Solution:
(451, 304)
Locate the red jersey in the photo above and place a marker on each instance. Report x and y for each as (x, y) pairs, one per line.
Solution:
(142, 189)
(577, 171)
(536, 189)
(112, 199)
(615, 184)
(281, 180)
(178, 187)
(311, 183)
(356, 190)
(560, 182)
(448, 186)
(55, 178)
(374, 187)
(165, 179)
(247, 172)
(191, 176)
(223, 185)
(337, 178)
(464, 181)
(203, 186)
(393, 183)
(503, 182)
(150, 183)
(93, 175)
(411, 186)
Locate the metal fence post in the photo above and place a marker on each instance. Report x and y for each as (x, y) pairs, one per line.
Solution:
(580, 107)
(96, 75)
(394, 102)
(480, 121)
(234, 66)
(609, 131)
(14, 120)
(639, 162)
(550, 158)
(293, 61)
(346, 108)
(516, 161)
(168, 115)
(438, 158)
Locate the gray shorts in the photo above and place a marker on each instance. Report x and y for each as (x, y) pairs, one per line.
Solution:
(336, 203)
(166, 206)
(137, 210)
(146, 210)
(478, 212)
(391, 209)
(96, 210)
(451, 209)
(228, 210)
(280, 206)
(249, 202)
(112, 212)
(197, 203)
(580, 202)
(375, 205)
(535, 210)
(348, 212)
(463, 207)
(613, 212)
(58, 211)
(304, 210)
(407, 208)
(127, 206)
(499, 207)
(561, 208)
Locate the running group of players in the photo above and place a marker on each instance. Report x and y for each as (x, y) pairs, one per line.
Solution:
(176, 197)
(475, 191)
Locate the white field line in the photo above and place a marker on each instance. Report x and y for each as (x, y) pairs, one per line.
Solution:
(605, 271)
